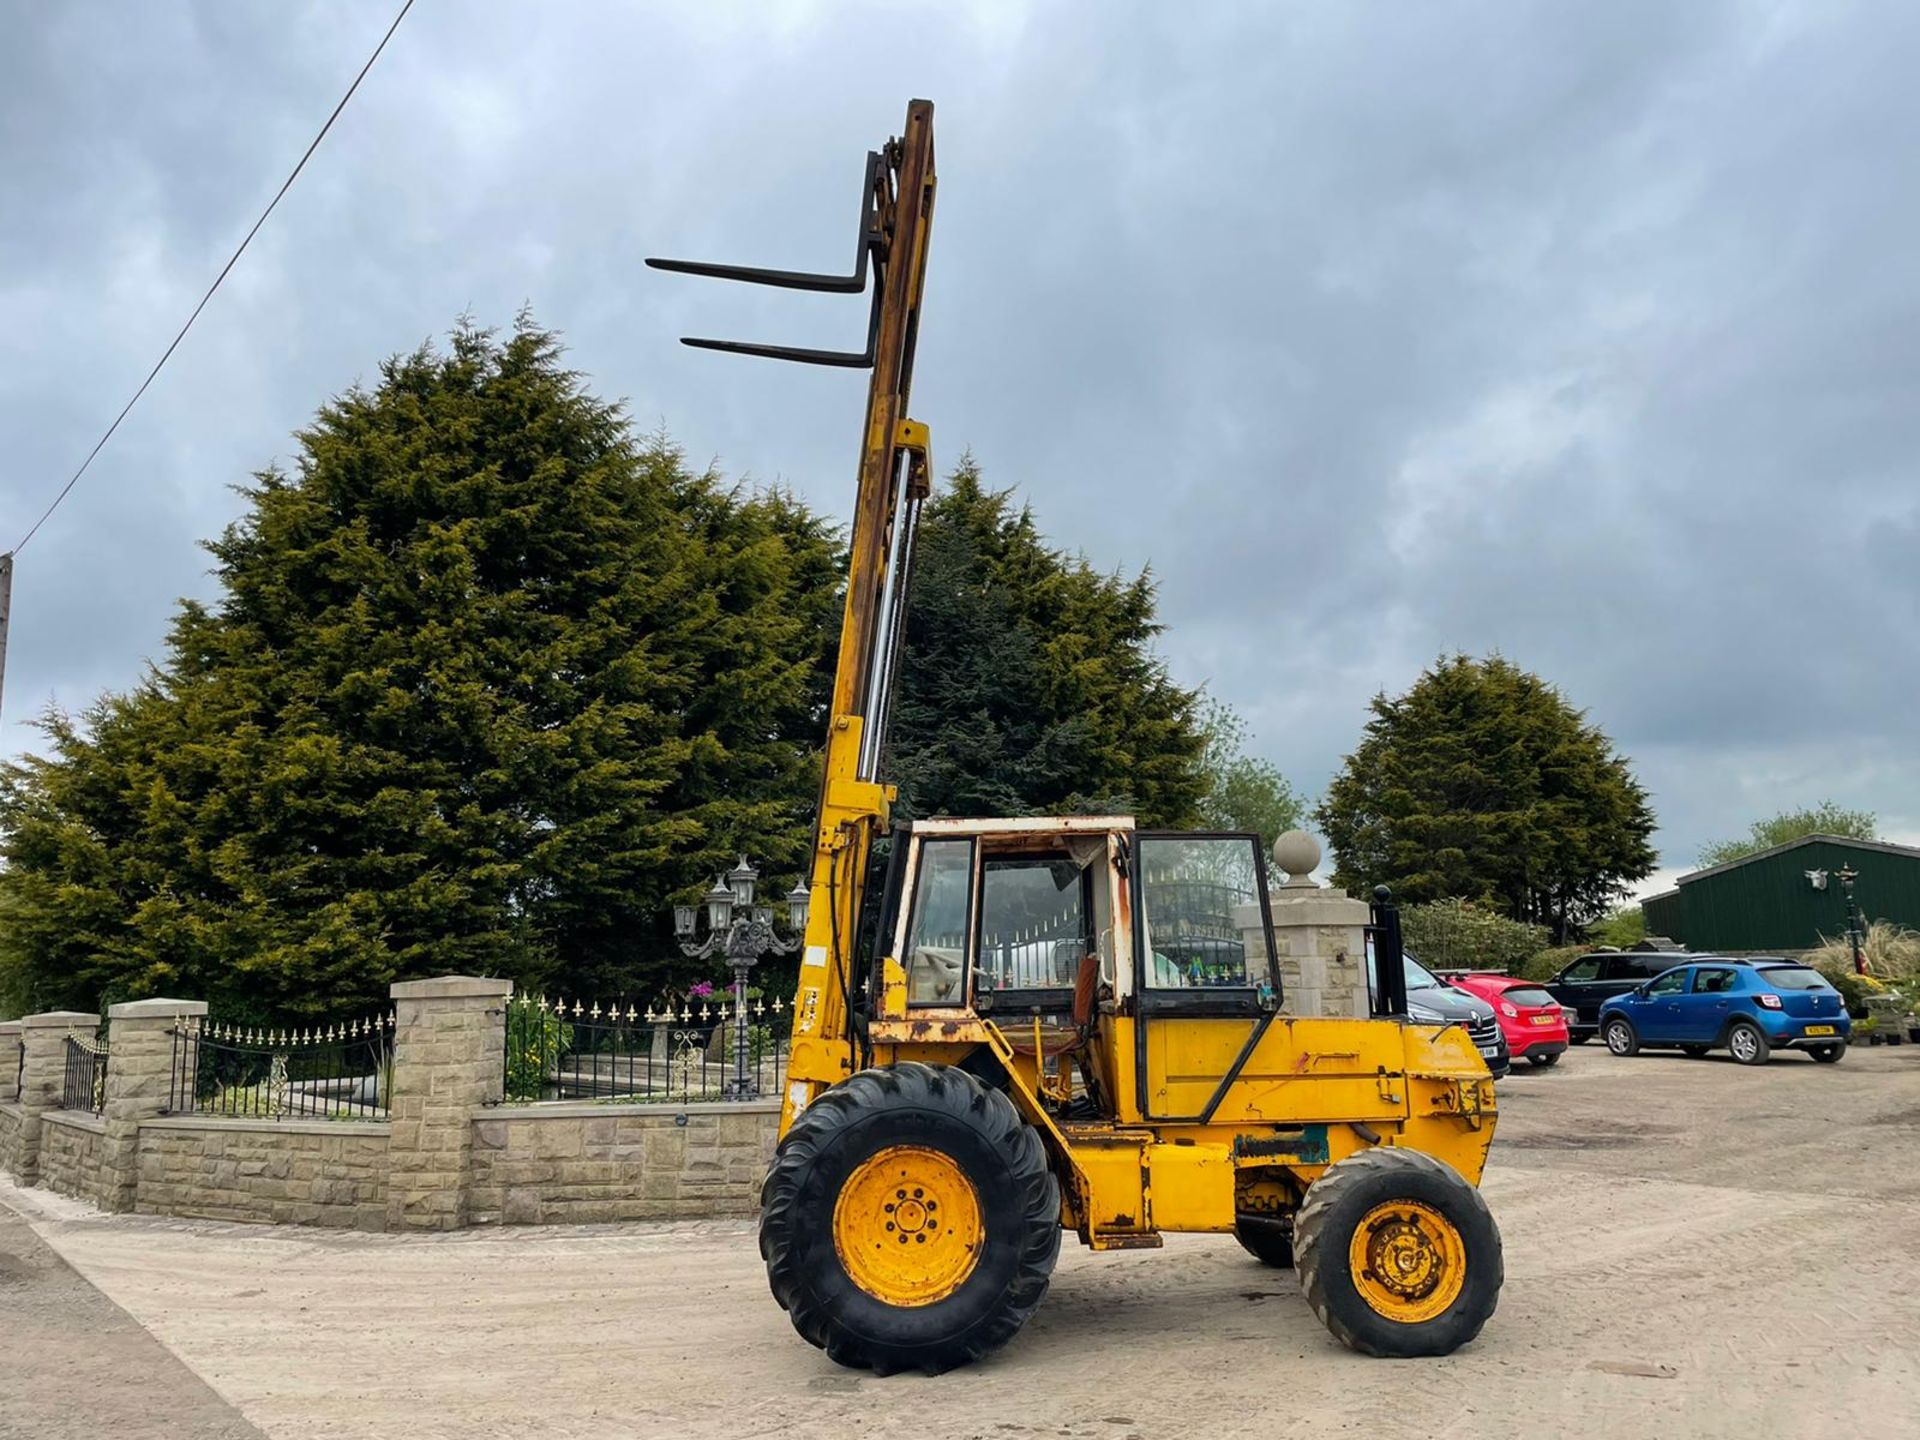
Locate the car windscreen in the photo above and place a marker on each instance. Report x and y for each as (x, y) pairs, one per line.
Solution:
(1793, 977)
(1527, 995)
(1419, 977)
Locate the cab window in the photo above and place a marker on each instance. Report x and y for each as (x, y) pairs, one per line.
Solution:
(1671, 983)
(1034, 922)
(1714, 981)
(1190, 888)
(1581, 971)
(936, 948)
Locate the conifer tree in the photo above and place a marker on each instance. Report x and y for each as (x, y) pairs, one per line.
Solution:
(1029, 683)
(489, 684)
(1482, 783)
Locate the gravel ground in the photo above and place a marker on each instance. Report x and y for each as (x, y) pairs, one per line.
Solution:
(1693, 1249)
(73, 1363)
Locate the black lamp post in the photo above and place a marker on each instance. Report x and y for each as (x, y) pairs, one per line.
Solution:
(1847, 876)
(743, 932)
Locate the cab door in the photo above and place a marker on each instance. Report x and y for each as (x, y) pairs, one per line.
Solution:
(1204, 985)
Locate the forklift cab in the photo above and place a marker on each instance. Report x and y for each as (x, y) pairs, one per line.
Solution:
(1130, 968)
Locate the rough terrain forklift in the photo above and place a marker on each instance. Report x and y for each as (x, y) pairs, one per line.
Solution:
(1009, 1028)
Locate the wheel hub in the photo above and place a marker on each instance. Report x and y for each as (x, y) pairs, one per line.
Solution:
(907, 1227)
(1407, 1261)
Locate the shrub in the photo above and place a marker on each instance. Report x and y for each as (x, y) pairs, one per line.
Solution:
(1458, 935)
(1545, 964)
(1622, 929)
(1853, 988)
(535, 1039)
(1892, 954)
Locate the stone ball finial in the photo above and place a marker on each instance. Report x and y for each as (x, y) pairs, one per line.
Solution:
(1297, 853)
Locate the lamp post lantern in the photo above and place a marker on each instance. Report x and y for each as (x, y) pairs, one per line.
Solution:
(743, 932)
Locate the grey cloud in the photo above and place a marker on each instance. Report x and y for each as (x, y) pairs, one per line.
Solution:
(1583, 333)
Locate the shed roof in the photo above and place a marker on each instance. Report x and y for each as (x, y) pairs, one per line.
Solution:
(1882, 846)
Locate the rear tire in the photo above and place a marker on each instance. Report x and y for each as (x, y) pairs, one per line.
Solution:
(1828, 1054)
(1696, 1051)
(933, 1135)
(1747, 1044)
(1268, 1238)
(1579, 1037)
(1428, 1252)
(1622, 1039)
(1541, 1062)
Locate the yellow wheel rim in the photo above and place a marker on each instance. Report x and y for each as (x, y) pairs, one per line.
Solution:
(1408, 1261)
(907, 1226)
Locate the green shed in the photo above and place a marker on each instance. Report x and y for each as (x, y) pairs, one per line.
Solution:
(1788, 898)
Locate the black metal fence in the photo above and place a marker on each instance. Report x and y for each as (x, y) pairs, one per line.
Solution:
(321, 1072)
(701, 1049)
(85, 1086)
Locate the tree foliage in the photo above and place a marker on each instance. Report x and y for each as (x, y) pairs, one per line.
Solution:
(1455, 934)
(1241, 791)
(1826, 818)
(1029, 684)
(1621, 928)
(1482, 783)
(490, 681)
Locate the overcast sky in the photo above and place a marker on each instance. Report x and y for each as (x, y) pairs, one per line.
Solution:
(1585, 333)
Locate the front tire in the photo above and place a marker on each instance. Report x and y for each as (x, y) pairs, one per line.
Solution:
(1268, 1238)
(1398, 1255)
(1747, 1044)
(1622, 1039)
(1829, 1054)
(910, 1221)
(1695, 1051)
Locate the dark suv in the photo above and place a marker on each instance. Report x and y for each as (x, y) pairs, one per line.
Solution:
(1592, 980)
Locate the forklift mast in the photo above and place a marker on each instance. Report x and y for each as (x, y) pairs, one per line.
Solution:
(896, 223)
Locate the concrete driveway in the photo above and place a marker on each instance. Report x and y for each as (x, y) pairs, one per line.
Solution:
(1693, 1249)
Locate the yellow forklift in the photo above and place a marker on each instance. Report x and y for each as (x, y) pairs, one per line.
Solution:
(1007, 1029)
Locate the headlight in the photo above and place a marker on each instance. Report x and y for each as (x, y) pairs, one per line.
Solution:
(1424, 1015)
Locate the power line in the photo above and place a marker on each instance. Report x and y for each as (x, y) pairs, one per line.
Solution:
(232, 260)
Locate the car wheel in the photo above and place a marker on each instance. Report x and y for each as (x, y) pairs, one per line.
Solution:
(1621, 1039)
(1747, 1044)
(1398, 1254)
(1696, 1051)
(1828, 1054)
(1579, 1037)
(1541, 1062)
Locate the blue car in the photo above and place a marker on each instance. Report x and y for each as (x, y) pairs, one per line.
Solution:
(1750, 1007)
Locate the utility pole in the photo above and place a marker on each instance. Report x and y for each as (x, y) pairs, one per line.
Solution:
(6, 611)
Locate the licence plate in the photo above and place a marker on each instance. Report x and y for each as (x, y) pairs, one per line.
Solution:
(1544, 1019)
(1819, 1029)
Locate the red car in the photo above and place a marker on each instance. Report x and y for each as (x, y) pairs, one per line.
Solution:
(1530, 1018)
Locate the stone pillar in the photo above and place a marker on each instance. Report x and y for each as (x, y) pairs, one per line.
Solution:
(9, 1061)
(43, 1079)
(449, 1055)
(1319, 936)
(140, 1063)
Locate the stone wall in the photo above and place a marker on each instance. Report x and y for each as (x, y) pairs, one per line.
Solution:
(71, 1143)
(297, 1172)
(549, 1164)
(12, 1125)
(449, 1155)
